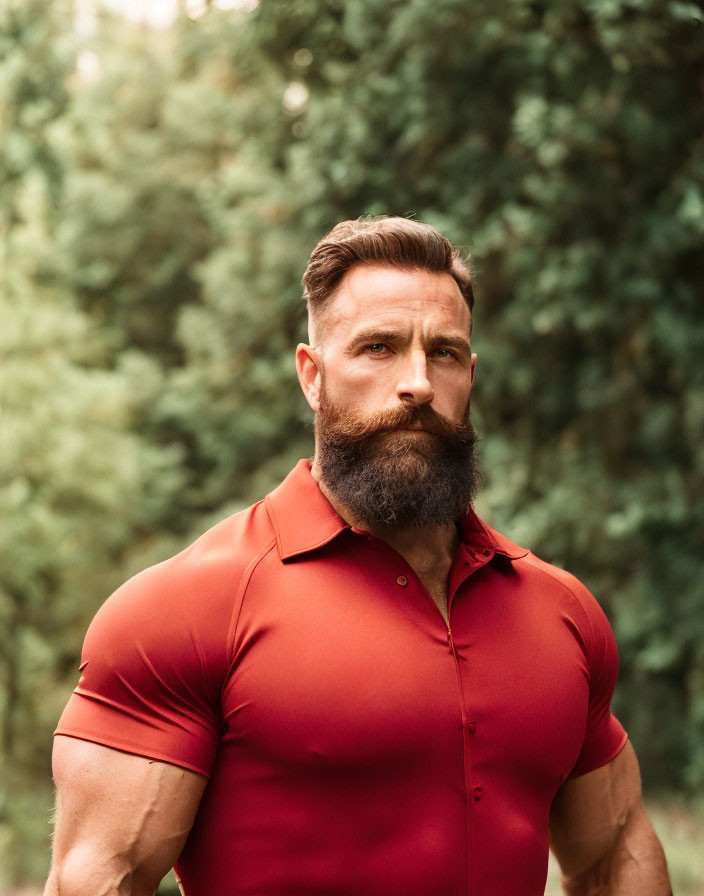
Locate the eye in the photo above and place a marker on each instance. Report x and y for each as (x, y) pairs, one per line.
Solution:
(376, 348)
(443, 353)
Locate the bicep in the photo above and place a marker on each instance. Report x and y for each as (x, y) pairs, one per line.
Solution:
(119, 815)
(590, 812)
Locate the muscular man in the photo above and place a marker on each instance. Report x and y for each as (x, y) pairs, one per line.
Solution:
(356, 687)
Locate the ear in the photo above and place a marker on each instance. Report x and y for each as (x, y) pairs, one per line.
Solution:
(308, 368)
(472, 369)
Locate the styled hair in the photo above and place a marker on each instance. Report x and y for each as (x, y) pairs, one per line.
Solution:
(399, 242)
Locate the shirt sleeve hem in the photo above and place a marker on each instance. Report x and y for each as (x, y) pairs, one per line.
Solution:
(592, 767)
(135, 749)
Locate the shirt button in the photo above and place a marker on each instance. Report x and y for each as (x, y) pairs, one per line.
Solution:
(486, 552)
(477, 792)
(471, 727)
(401, 580)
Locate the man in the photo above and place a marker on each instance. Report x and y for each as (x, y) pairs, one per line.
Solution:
(356, 686)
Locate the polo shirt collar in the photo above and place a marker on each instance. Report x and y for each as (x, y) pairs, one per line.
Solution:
(302, 517)
(476, 534)
(304, 520)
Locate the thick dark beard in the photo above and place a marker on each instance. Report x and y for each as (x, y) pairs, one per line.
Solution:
(395, 479)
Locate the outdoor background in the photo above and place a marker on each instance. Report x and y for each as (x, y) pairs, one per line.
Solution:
(165, 171)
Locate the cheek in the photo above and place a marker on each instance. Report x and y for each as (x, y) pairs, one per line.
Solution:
(360, 380)
(452, 389)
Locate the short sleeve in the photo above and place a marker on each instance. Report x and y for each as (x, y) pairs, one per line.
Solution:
(153, 665)
(604, 736)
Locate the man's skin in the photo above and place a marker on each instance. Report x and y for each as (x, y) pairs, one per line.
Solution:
(387, 336)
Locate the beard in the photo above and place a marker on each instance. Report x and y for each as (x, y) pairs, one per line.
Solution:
(391, 478)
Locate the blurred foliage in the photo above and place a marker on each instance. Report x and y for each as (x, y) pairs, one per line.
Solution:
(160, 192)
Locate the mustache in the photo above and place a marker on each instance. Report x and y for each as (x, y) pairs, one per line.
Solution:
(343, 426)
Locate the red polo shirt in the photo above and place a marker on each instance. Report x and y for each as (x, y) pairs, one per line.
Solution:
(354, 744)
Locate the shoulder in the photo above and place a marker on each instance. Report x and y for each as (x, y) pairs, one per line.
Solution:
(210, 567)
(558, 579)
(582, 613)
(586, 606)
(557, 587)
(187, 600)
(157, 653)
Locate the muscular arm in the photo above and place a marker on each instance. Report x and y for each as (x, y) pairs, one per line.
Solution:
(601, 835)
(122, 820)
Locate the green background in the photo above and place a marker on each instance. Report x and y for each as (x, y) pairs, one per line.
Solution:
(161, 189)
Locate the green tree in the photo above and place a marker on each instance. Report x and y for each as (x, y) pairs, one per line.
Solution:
(79, 486)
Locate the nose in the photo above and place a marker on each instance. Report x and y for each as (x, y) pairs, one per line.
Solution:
(414, 385)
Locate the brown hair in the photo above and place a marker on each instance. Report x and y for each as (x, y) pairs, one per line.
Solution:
(399, 242)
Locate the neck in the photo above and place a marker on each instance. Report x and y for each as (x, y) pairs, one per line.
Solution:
(435, 541)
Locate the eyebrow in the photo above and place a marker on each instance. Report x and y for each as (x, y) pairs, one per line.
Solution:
(455, 342)
(388, 335)
(372, 336)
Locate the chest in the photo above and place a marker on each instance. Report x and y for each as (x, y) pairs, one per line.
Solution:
(365, 749)
(361, 672)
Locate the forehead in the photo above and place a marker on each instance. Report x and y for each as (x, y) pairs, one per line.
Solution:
(371, 295)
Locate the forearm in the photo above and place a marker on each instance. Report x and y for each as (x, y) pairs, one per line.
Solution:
(81, 876)
(635, 866)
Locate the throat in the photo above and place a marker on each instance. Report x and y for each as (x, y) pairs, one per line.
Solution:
(436, 586)
(430, 554)
(431, 560)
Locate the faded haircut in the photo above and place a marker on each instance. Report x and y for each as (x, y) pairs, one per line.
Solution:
(398, 242)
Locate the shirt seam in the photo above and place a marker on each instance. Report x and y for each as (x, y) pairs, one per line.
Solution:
(274, 524)
(594, 675)
(237, 608)
(586, 622)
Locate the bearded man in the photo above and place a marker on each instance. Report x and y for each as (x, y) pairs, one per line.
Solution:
(356, 687)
